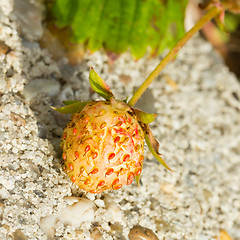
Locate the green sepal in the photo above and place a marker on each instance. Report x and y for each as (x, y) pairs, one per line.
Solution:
(99, 86)
(68, 102)
(71, 108)
(145, 117)
(137, 179)
(153, 146)
(119, 105)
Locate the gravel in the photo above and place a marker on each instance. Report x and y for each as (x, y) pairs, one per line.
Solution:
(198, 128)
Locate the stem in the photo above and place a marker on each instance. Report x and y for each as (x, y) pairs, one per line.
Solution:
(214, 11)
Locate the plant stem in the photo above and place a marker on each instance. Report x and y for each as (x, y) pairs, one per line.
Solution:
(214, 11)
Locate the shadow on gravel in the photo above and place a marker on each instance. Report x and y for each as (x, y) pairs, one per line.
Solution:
(49, 122)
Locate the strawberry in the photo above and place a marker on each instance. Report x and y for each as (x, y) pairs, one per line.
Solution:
(103, 145)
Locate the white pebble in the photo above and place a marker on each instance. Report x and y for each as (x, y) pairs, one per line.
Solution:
(77, 213)
(99, 203)
(47, 225)
(34, 87)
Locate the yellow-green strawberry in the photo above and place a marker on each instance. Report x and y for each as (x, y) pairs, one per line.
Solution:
(103, 145)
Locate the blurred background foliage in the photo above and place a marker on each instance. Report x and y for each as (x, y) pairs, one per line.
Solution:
(143, 26)
(228, 44)
(120, 24)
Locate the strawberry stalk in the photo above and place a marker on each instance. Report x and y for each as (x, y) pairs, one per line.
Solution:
(213, 12)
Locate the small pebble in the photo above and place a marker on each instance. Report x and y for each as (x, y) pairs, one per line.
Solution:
(19, 235)
(78, 212)
(115, 213)
(141, 233)
(99, 203)
(2, 137)
(17, 119)
(96, 234)
(47, 225)
(4, 48)
(1, 209)
(36, 86)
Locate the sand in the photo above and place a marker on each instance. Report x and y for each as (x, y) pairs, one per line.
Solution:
(198, 128)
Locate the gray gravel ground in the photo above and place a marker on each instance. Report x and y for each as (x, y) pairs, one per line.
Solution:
(198, 128)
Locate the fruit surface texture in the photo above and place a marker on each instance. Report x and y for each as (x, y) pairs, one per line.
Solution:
(103, 147)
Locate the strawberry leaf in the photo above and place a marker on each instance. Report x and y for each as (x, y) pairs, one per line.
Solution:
(99, 86)
(71, 108)
(121, 24)
(153, 146)
(145, 117)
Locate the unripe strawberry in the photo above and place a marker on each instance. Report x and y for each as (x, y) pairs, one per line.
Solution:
(103, 144)
(103, 147)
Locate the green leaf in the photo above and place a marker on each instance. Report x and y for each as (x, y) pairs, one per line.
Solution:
(145, 117)
(99, 33)
(99, 86)
(120, 15)
(68, 102)
(153, 146)
(232, 21)
(171, 16)
(140, 33)
(119, 24)
(125, 27)
(64, 10)
(71, 108)
(85, 20)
